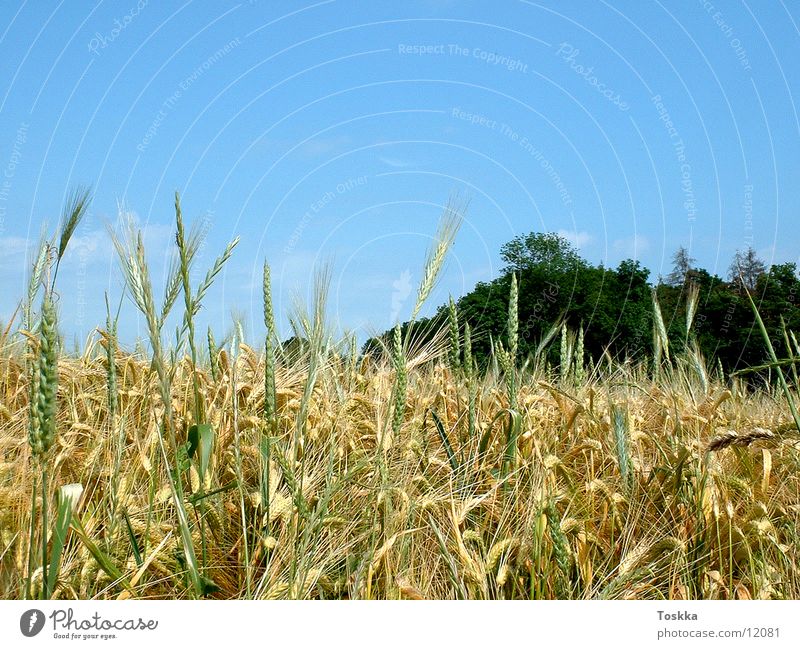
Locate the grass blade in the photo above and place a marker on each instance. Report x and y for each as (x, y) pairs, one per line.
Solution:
(445, 441)
(67, 503)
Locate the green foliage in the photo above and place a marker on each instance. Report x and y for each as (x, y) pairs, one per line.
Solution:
(451, 456)
(536, 250)
(201, 437)
(616, 309)
(67, 499)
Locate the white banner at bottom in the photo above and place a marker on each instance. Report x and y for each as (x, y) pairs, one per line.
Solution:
(445, 624)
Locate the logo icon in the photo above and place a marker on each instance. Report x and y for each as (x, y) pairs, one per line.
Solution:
(31, 622)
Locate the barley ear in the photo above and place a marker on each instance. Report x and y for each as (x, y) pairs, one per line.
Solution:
(74, 211)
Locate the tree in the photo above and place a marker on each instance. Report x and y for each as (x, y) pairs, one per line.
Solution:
(681, 265)
(544, 250)
(614, 306)
(631, 295)
(746, 268)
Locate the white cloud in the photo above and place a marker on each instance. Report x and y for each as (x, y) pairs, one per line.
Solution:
(578, 239)
(13, 246)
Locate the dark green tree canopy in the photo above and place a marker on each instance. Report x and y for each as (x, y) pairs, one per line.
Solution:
(547, 251)
(614, 306)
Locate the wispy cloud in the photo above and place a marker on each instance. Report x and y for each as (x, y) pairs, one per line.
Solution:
(13, 247)
(395, 162)
(324, 145)
(578, 239)
(314, 148)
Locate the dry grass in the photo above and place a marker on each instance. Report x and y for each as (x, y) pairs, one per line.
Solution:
(705, 512)
(314, 473)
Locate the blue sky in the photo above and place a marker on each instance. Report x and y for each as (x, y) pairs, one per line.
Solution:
(335, 131)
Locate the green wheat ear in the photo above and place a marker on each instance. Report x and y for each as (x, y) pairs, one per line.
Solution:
(448, 228)
(580, 359)
(401, 380)
(455, 346)
(48, 379)
(561, 551)
(213, 352)
(660, 338)
(513, 319)
(622, 444)
(269, 348)
(468, 360)
(111, 366)
(565, 356)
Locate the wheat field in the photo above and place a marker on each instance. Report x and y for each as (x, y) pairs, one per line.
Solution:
(236, 471)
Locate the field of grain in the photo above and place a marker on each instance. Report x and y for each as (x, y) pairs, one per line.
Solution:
(228, 471)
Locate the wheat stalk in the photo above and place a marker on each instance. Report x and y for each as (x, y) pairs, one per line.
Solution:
(469, 372)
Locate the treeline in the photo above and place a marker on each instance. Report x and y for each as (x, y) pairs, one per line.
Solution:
(614, 307)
